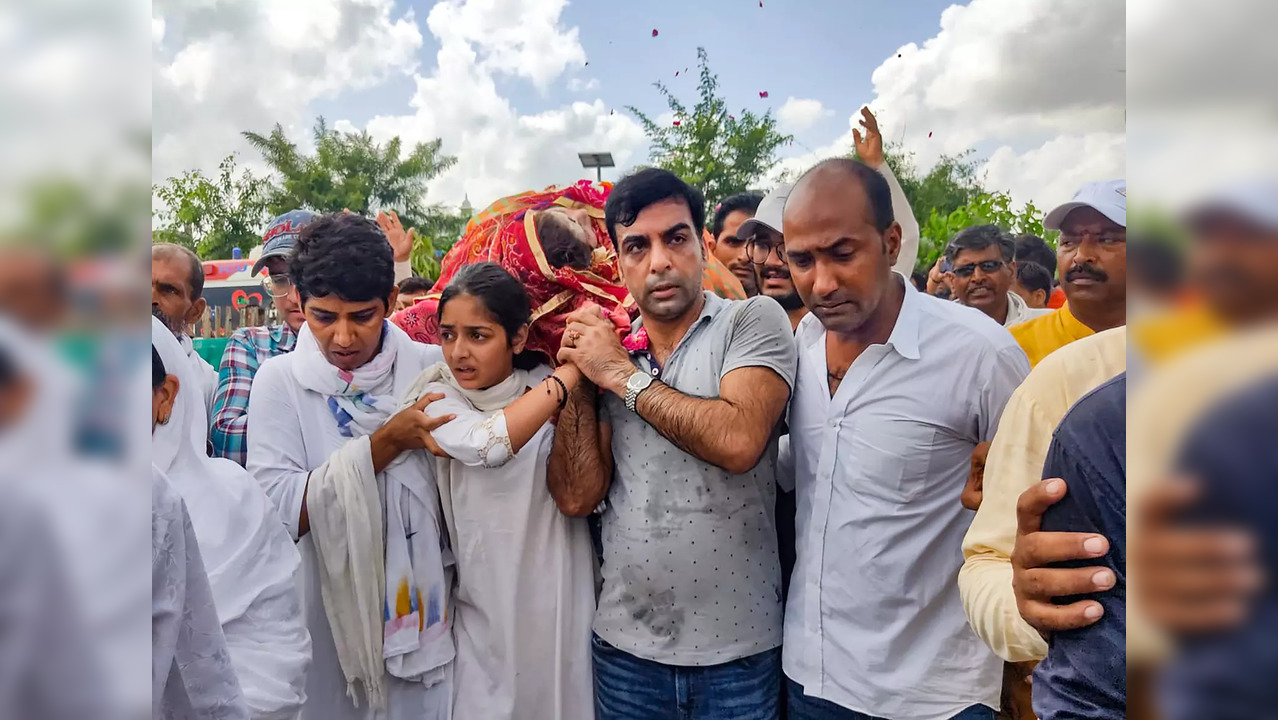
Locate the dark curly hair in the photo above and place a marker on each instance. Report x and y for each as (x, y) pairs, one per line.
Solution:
(346, 255)
(648, 187)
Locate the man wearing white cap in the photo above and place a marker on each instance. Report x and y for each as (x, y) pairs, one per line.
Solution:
(1092, 260)
(765, 241)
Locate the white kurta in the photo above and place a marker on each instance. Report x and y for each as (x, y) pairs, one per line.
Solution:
(290, 433)
(525, 596)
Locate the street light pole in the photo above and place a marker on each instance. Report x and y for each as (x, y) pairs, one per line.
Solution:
(598, 161)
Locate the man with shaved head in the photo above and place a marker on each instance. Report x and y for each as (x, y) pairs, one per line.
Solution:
(177, 288)
(873, 625)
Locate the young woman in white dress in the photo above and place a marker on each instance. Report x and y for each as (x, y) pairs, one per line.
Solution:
(525, 592)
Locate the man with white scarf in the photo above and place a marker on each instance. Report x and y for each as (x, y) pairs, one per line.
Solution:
(251, 562)
(330, 444)
(177, 293)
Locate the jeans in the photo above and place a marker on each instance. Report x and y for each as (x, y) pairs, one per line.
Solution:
(803, 707)
(631, 688)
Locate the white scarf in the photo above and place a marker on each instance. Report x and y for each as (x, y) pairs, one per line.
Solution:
(251, 562)
(361, 599)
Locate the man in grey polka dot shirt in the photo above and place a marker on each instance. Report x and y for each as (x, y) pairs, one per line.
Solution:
(684, 448)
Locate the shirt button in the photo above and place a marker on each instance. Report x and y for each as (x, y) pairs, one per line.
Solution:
(655, 371)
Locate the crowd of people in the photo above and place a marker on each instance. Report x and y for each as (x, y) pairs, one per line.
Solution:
(632, 456)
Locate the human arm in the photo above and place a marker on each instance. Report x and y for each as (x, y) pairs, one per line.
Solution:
(1013, 464)
(731, 431)
(401, 242)
(491, 439)
(580, 467)
(869, 148)
(229, 424)
(974, 489)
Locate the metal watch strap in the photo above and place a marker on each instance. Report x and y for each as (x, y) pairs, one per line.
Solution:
(632, 393)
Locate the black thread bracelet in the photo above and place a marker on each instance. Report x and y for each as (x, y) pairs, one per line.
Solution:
(564, 400)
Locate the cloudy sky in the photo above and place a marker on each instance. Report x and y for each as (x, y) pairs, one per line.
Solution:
(516, 88)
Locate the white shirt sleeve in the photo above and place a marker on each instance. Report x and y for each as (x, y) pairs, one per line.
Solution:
(909, 224)
(276, 452)
(472, 438)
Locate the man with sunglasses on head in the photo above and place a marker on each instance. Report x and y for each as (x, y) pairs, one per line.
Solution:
(984, 268)
(1091, 253)
(249, 347)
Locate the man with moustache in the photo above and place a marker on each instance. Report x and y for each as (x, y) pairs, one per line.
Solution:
(177, 300)
(1092, 256)
(984, 268)
(728, 243)
(895, 389)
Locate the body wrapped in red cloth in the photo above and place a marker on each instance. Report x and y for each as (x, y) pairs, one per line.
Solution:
(506, 233)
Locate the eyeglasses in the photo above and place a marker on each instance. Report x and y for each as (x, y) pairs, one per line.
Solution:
(986, 266)
(760, 248)
(1104, 239)
(277, 285)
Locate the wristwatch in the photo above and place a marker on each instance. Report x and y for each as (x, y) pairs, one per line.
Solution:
(637, 383)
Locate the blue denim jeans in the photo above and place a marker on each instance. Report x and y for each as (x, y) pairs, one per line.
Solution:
(803, 707)
(631, 688)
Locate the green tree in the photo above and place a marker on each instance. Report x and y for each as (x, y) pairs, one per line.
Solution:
(211, 215)
(717, 152)
(986, 208)
(434, 237)
(349, 170)
(951, 197)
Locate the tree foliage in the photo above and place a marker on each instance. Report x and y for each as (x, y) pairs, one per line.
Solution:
(952, 196)
(434, 238)
(349, 170)
(212, 215)
(717, 152)
(987, 208)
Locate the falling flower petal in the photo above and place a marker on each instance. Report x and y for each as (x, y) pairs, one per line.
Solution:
(654, 32)
(763, 93)
(676, 123)
(760, 3)
(732, 117)
(676, 73)
(929, 134)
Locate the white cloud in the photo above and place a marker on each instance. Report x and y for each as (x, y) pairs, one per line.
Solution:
(499, 150)
(1042, 98)
(799, 114)
(230, 66)
(231, 69)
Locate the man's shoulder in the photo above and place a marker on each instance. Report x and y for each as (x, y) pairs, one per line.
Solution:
(275, 371)
(966, 328)
(1034, 326)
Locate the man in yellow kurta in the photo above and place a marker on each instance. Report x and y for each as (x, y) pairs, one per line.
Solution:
(1091, 256)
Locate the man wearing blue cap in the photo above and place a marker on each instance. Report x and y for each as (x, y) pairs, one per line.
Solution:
(1091, 255)
(249, 347)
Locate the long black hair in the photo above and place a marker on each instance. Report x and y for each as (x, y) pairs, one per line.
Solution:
(502, 296)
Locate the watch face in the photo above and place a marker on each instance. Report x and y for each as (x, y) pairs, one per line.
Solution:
(639, 381)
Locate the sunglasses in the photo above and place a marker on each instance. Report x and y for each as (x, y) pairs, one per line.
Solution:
(278, 285)
(986, 266)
